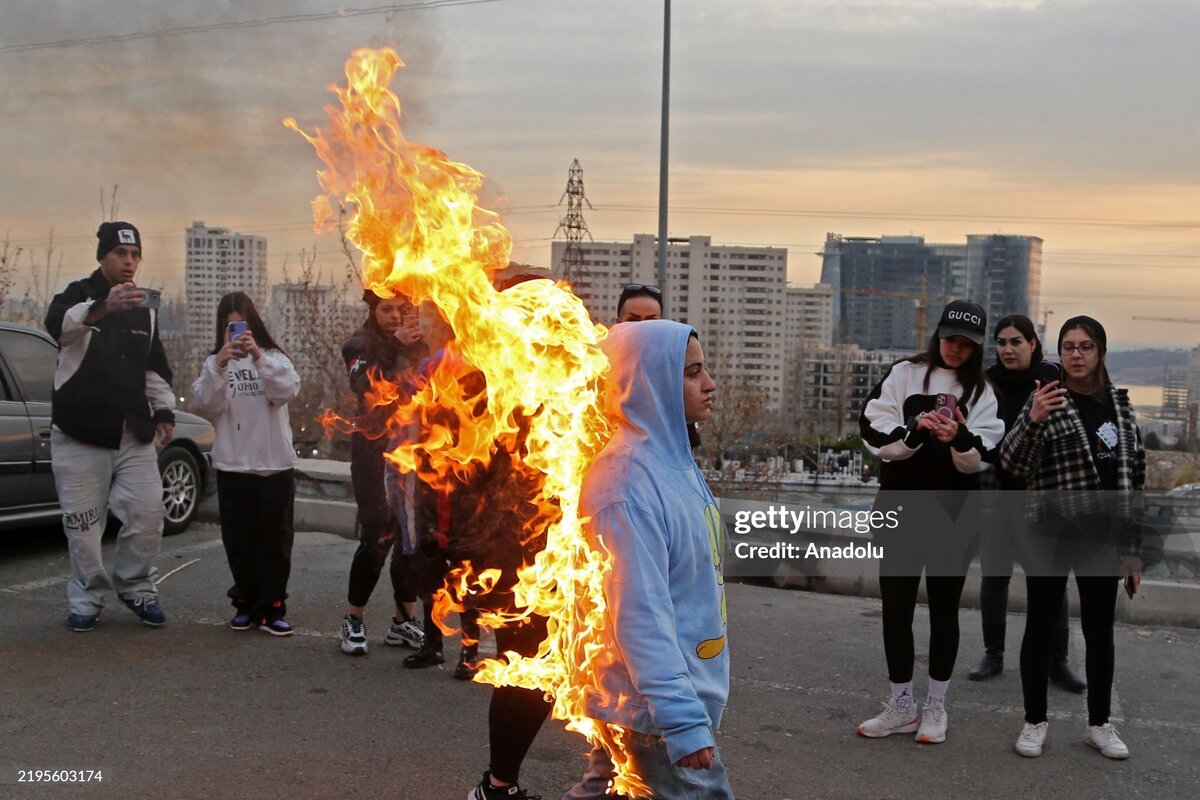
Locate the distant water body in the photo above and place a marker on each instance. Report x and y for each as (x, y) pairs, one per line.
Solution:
(1144, 395)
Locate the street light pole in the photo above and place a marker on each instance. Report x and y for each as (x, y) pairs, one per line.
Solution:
(662, 164)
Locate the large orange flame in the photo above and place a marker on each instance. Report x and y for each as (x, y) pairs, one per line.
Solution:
(417, 220)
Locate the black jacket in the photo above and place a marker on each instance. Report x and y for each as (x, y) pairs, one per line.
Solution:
(111, 374)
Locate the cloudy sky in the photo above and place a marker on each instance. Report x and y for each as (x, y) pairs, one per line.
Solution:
(1073, 120)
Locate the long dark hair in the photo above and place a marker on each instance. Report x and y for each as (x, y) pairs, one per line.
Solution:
(242, 304)
(1025, 325)
(970, 373)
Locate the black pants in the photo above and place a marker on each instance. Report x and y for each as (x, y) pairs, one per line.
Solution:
(993, 603)
(899, 595)
(516, 715)
(378, 531)
(1097, 613)
(256, 529)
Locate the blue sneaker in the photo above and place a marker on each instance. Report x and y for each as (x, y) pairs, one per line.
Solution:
(147, 608)
(241, 622)
(276, 627)
(82, 623)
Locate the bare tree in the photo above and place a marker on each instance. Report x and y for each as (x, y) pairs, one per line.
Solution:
(109, 208)
(9, 256)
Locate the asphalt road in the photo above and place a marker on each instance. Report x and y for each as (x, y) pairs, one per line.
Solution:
(194, 710)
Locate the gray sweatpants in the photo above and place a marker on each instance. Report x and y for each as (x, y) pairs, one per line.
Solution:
(90, 480)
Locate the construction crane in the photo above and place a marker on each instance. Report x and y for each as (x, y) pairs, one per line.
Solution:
(922, 299)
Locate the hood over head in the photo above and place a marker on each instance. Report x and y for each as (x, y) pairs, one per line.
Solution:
(645, 389)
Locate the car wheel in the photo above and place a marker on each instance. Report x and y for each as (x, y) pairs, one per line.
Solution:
(181, 489)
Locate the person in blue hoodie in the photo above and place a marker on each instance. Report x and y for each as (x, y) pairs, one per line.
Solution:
(666, 680)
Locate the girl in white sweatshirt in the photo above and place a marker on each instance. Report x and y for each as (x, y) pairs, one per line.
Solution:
(245, 385)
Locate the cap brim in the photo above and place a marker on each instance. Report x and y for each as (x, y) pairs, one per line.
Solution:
(946, 331)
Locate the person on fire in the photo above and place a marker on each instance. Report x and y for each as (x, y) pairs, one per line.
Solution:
(666, 678)
(484, 516)
(387, 347)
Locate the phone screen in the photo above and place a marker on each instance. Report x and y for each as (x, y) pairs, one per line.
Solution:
(236, 329)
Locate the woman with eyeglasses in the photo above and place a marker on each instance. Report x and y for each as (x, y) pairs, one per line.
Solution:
(1018, 358)
(1075, 437)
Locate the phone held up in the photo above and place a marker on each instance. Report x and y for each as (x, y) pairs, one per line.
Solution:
(1049, 371)
(945, 404)
(236, 329)
(1130, 585)
(152, 298)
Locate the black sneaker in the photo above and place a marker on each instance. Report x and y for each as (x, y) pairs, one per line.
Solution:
(425, 657)
(467, 663)
(485, 791)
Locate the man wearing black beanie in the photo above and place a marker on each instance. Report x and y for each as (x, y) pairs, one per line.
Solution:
(112, 398)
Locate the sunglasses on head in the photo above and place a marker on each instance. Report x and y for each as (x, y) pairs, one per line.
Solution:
(642, 287)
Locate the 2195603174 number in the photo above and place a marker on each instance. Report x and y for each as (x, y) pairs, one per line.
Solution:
(60, 776)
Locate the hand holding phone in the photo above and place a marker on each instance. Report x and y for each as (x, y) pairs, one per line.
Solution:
(1132, 581)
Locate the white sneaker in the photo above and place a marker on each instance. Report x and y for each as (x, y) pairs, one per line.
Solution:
(1105, 739)
(893, 719)
(353, 636)
(1029, 743)
(934, 722)
(405, 634)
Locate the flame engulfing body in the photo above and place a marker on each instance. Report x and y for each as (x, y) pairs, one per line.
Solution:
(416, 219)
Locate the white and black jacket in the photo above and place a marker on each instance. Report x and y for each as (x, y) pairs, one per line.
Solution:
(915, 459)
(112, 374)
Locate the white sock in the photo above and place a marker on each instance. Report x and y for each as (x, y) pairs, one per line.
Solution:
(937, 689)
(902, 695)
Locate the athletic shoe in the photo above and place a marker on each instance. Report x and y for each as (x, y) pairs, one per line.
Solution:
(934, 722)
(241, 622)
(82, 623)
(405, 634)
(425, 657)
(354, 636)
(276, 627)
(893, 719)
(1029, 743)
(147, 608)
(485, 791)
(467, 663)
(1105, 739)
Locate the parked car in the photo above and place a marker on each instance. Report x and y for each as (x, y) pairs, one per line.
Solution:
(27, 497)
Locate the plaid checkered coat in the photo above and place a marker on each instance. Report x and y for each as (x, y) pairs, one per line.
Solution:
(1053, 456)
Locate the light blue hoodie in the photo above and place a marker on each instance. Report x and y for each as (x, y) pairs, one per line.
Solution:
(668, 671)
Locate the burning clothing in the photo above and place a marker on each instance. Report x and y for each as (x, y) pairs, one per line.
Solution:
(668, 669)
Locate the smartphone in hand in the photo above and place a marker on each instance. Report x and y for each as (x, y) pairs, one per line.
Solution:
(1131, 585)
(945, 404)
(151, 298)
(236, 329)
(1049, 371)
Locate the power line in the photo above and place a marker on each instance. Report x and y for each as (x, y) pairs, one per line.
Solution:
(187, 30)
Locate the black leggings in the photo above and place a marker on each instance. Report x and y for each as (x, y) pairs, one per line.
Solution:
(993, 603)
(378, 532)
(516, 715)
(899, 595)
(1097, 613)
